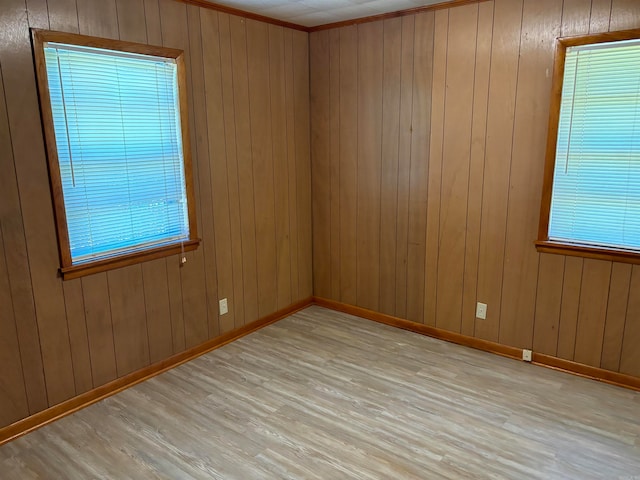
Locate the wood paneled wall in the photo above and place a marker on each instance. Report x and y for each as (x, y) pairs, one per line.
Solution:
(428, 142)
(249, 119)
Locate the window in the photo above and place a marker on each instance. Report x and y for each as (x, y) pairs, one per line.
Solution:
(591, 195)
(115, 122)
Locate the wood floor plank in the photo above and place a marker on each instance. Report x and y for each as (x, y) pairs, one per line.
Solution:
(323, 394)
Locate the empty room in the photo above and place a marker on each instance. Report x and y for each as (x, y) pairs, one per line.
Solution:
(319, 239)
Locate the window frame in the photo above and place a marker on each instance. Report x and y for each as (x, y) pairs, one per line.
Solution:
(544, 244)
(68, 270)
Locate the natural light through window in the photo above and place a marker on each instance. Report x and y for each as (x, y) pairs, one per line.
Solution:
(119, 151)
(595, 194)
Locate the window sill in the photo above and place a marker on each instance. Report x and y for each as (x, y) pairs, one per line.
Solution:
(76, 271)
(576, 250)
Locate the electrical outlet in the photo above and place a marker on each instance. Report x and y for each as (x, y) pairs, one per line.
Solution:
(224, 307)
(481, 311)
(526, 355)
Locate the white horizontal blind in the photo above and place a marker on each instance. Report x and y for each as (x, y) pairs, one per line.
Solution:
(118, 135)
(596, 189)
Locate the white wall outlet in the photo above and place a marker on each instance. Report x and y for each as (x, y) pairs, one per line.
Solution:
(481, 311)
(224, 307)
(526, 355)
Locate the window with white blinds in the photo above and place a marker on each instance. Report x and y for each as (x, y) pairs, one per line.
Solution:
(118, 135)
(595, 196)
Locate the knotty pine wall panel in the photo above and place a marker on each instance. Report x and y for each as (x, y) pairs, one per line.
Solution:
(248, 88)
(437, 213)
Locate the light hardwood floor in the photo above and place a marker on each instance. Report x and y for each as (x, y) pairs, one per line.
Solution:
(326, 395)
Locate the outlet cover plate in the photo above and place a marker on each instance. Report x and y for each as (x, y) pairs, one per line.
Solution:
(224, 307)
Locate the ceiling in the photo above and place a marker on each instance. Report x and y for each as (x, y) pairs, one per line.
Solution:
(310, 13)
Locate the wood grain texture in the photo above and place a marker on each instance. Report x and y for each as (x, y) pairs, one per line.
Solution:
(505, 54)
(323, 394)
(456, 152)
(420, 174)
(392, 85)
(482, 70)
(405, 133)
(370, 84)
(348, 161)
(467, 209)
(540, 25)
(82, 334)
(594, 295)
(21, 100)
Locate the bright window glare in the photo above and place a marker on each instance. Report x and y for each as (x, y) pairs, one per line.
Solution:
(118, 135)
(596, 189)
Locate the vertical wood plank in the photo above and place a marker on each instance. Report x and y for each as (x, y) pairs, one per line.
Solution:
(476, 167)
(78, 338)
(404, 164)
(440, 35)
(548, 304)
(199, 282)
(258, 53)
(320, 105)
(63, 15)
(13, 400)
(630, 356)
(348, 162)
(303, 156)
(392, 70)
(625, 15)
(98, 18)
(592, 311)
(616, 316)
(540, 26)
(370, 49)
(218, 190)
(262, 156)
(575, 17)
(35, 200)
(420, 172)
(245, 167)
(37, 15)
(500, 124)
(158, 308)
(291, 165)
(152, 21)
(600, 16)
(99, 329)
(280, 164)
(571, 286)
(18, 268)
(334, 160)
(131, 343)
(456, 152)
(232, 180)
(131, 20)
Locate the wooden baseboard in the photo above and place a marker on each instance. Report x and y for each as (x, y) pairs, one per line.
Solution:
(74, 404)
(600, 374)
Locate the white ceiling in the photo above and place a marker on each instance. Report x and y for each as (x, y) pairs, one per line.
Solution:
(311, 13)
